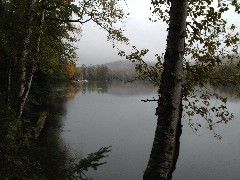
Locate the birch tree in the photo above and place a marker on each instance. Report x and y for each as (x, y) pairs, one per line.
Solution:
(26, 81)
(36, 17)
(37, 36)
(206, 49)
(169, 104)
(211, 45)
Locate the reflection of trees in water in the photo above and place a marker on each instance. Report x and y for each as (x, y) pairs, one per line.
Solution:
(71, 90)
(132, 89)
(111, 87)
(96, 86)
(54, 156)
(231, 91)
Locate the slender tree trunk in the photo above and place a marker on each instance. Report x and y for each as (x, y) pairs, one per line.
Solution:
(22, 60)
(23, 49)
(163, 154)
(28, 81)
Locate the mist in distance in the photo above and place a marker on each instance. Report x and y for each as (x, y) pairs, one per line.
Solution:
(93, 47)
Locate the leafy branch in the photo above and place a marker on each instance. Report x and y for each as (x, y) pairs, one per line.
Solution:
(76, 171)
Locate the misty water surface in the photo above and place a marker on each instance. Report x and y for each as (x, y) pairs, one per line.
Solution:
(97, 115)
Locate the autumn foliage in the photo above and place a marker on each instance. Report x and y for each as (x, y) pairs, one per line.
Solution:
(71, 69)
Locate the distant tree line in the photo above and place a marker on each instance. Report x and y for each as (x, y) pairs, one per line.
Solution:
(95, 73)
(103, 73)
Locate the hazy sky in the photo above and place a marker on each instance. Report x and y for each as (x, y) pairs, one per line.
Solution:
(93, 48)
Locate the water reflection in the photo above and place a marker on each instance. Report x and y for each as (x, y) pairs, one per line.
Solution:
(113, 87)
(54, 156)
(99, 87)
(89, 116)
(58, 152)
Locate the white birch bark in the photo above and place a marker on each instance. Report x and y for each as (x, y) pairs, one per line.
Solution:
(163, 155)
(26, 78)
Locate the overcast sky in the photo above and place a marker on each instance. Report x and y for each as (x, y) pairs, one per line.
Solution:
(93, 48)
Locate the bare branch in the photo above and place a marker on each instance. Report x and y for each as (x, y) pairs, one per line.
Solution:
(68, 20)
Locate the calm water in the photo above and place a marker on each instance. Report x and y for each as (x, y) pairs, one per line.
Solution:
(97, 115)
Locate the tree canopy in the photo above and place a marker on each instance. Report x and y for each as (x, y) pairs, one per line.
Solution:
(198, 41)
(38, 35)
(36, 44)
(211, 57)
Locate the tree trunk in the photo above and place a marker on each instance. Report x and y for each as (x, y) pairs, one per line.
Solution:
(23, 50)
(28, 80)
(169, 111)
(22, 60)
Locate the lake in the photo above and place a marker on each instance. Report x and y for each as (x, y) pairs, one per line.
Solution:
(93, 115)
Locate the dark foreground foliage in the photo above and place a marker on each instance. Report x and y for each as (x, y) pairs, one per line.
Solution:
(20, 154)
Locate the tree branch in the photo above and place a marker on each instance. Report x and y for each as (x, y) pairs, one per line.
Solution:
(68, 20)
(149, 100)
